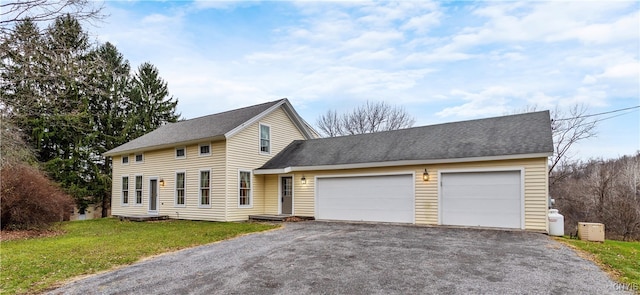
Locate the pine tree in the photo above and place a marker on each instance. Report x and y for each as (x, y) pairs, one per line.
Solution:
(111, 81)
(150, 102)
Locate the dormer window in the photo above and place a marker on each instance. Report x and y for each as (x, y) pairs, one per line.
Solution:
(181, 153)
(205, 149)
(265, 139)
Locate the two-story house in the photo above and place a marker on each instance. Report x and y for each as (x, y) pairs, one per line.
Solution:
(265, 159)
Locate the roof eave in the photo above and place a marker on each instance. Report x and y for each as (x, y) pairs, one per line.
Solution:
(163, 146)
(399, 163)
(289, 110)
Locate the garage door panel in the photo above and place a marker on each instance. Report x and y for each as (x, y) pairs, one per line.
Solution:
(366, 198)
(491, 199)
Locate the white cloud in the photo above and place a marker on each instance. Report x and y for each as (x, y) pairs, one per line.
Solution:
(490, 101)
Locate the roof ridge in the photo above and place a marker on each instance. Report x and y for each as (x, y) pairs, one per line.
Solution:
(433, 125)
(234, 110)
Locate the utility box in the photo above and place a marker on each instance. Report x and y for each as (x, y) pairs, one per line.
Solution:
(591, 231)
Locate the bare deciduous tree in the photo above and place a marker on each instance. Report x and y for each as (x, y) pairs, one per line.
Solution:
(605, 191)
(567, 128)
(14, 11)
(567, 131)
(368, 118)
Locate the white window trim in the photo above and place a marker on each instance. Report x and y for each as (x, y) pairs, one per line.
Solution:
(260, 139)
(175, 189)
(135, 190)
(250, 188)
(122, 160)
(201, 154)
(122, 203)
(180, 148)
(200, 205)
(135, 160)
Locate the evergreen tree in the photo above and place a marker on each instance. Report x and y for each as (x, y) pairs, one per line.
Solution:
(150, 102)
(108, 105)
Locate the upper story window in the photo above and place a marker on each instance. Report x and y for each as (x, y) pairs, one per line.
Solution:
(181, 153)
(125, 160)
(205, 149)
(265, 139)
(139, 158)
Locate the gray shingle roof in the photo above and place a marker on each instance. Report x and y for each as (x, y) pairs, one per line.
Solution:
(202, 128)
(528, 133)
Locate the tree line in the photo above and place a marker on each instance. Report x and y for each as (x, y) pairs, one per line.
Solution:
(603, 191)
(66, 101)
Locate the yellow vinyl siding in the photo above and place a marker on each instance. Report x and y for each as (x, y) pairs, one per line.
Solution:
(271, 188)
(163, 165)
(243, 152)
(426, 193)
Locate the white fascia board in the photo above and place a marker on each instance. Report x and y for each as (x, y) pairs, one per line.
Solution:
(164, 146)
(255, 119)
(400, 163)
(288, 110)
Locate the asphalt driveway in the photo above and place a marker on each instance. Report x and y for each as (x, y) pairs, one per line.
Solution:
(343, 258)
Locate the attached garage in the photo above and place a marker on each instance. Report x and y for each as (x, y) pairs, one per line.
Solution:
(489, 199)
(382, 198)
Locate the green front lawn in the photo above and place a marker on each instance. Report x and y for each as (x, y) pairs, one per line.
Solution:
(87, 247)
(620, 258)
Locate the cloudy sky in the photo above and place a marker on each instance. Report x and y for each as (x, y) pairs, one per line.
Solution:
(441, 61)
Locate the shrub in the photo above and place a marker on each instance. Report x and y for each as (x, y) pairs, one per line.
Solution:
(29, 200)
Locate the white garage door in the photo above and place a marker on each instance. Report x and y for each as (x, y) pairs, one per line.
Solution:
(367, 198)
(491, 199)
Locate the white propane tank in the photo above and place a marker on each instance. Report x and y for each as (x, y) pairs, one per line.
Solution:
(556, 223)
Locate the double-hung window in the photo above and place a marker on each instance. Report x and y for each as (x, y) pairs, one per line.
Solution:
(138, 189)
(205, 188)
(180, 188)
(125, 190)
(265, 139)
(244, 189)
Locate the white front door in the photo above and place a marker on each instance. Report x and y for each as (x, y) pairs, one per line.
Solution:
(384, 198)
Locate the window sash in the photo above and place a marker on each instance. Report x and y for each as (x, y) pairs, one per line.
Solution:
(180, 186)
(205, 149)
(138, 189)
(139, 158)
(125, 190)
(244, 193)
(265, 140)
(205, 187)
(125, 159)
(180, 153)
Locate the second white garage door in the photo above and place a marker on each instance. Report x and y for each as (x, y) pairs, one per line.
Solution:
(491, 199)
(388, 198)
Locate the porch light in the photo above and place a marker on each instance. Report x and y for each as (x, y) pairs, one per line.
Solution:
(425, 175)
(303, 180)
(162, 182)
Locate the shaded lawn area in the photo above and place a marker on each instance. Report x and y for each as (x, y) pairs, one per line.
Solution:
(86, 247)
(622, 259)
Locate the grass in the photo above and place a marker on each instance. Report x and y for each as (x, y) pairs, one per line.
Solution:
(87, 247)
(621, 259)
